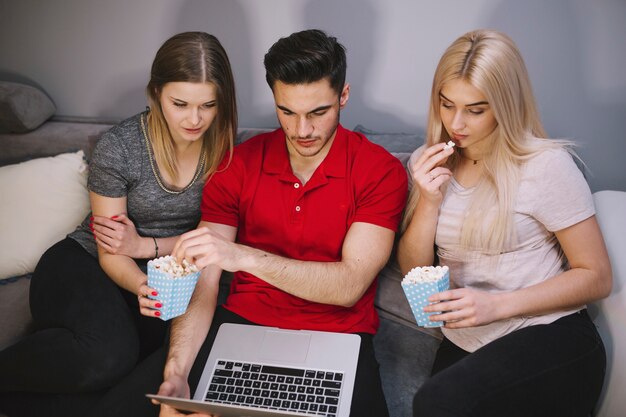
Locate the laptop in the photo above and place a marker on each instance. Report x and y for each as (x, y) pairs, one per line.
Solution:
(260, 371)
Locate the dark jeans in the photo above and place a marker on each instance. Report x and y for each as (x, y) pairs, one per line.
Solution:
(545, 370)
(128, 397)
(89, 335)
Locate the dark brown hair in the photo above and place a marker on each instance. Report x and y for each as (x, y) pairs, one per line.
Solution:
(305, 57)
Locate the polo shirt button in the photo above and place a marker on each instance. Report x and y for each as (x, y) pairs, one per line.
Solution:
(296, 185)
(298, 208)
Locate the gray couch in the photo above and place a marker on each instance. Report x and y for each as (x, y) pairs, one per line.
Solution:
(405, 352)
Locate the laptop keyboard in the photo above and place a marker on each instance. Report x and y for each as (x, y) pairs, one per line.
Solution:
(306, 391)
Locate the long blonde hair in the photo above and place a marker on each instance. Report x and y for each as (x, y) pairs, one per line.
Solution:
(196, 57)
(490, 61)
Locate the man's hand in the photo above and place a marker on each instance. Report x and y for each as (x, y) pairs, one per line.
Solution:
(205, 246)
(175, 386)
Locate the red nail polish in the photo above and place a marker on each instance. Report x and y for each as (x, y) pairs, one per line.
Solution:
(157, 313)
(114, 217)
(91, 218)
(158, 305)
(155, 293)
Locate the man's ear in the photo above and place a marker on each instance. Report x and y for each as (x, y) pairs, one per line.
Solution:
(345, 95)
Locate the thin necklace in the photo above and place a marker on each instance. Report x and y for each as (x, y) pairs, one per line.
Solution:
(155, 171)
(475, 161)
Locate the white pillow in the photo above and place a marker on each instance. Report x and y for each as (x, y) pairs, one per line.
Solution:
(42, 201)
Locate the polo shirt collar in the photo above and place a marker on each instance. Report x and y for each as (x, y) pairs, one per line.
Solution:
(276, 160)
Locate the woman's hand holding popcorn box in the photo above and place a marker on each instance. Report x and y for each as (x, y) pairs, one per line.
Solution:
(174, 283)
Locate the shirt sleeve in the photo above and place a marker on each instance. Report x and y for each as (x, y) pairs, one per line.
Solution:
(382, 199)
(108, 168)
(220, 198)
(563, 197)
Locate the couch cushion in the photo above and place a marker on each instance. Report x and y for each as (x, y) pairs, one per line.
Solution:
(393, 142)
(245, 133)
(51, 138)
(23, 108)
(14, 308)
(609, 314)
(43, 200)
(406, 357)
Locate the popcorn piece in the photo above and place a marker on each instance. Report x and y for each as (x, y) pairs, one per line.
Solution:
(449, 145)
(423, 274)
(169, 265)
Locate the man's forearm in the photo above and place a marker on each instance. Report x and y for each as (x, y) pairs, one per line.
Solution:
(338, 283)
(189, 331)
(366, 250)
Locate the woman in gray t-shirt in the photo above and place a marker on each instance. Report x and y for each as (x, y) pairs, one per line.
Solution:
(88, 292)
(511, 215)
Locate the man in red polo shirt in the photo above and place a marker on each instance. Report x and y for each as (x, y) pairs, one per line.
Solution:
(304, 216)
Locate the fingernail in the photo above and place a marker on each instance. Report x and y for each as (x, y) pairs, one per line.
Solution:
(114, 217)
(91, 226)
(158, 305)
(157, 313)
(155, 293)
(91, 218)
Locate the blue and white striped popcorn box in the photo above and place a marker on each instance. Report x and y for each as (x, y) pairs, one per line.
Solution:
(173, 292)
(417, 295)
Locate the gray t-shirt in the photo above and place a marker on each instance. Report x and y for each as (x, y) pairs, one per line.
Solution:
(552, 196)
(120, 167)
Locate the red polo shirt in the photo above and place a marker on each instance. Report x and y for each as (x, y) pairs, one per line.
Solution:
(258, 193)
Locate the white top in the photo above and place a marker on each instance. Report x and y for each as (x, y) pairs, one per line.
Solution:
(552, 196)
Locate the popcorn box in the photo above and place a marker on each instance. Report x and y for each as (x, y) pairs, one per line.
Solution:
(174, 290)
(417, 289)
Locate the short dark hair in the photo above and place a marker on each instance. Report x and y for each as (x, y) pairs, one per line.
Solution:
(305, 57)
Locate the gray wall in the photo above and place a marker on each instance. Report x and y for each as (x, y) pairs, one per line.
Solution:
(93, 57)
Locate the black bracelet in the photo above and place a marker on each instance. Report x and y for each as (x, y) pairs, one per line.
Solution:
(156, 247)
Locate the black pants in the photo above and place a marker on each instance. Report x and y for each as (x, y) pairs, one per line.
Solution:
(128, 397)
(89, 335)
(545, 370)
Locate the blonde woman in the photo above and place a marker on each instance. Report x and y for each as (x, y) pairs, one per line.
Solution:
(88, 292)
(509, 212)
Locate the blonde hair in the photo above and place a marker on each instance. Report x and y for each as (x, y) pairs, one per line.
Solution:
(490, 61)
(196, 57)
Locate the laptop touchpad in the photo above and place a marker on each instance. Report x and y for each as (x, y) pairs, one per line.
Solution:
(285, 346)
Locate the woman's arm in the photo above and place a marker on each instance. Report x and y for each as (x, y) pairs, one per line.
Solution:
(416, 245)
(117, 235)
(120, 268)
(588, 279)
